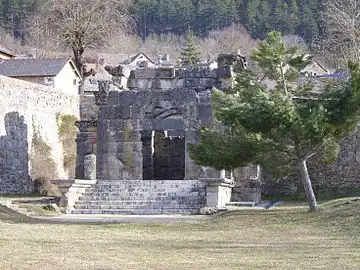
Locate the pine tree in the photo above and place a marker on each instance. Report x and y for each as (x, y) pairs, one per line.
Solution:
(253, 15)
(308, 27)
(279, 20)
(293, 17)
(279, 129)
(189, 55)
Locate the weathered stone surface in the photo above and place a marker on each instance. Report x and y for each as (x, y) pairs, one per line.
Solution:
(339, 178)
(90, 167)
(26, 107)
(101, 96)
(143, 197)
(123, 126)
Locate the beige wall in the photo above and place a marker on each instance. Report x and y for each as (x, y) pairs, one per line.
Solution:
(38, 107)
(38, 80)
(64, 80)
(133, 64)
(314, 69)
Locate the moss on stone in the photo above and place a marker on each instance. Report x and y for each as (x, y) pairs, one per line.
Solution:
(128, 153)
(42, 163)
(67, 135)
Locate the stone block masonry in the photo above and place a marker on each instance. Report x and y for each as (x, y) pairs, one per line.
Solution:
(28, 125)
(142, 197)
(341, 178)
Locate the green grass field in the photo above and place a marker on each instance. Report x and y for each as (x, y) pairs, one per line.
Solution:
(281, 238)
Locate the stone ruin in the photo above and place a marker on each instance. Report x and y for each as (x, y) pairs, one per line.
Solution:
(133, 141)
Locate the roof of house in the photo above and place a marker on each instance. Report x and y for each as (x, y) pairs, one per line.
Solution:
(33, 67)
(6, 51)
(132, 58)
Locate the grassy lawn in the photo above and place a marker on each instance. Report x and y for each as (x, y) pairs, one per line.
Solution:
(281, 238)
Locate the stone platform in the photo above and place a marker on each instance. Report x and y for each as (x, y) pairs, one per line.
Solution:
(142, 197)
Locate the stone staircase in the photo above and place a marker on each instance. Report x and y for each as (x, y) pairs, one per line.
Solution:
(142, 197)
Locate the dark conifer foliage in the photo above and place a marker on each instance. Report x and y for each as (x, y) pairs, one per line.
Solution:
(300, 17)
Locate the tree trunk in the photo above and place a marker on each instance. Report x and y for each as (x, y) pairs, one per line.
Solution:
(80, 66)
(308, 187)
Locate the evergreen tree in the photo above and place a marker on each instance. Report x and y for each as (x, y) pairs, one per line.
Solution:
(279, 18)
(282, 128)
(253, 15)
(189, 55)
(308, 28)
(293, 17)
(263, 19)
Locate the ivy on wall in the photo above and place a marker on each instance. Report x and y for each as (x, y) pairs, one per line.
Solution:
(41, 161)
(67, 135)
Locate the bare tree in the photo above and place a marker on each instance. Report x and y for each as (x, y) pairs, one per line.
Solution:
(341, 21)
(162, 44)
(79, 24)
(296, 41)
(228, 40)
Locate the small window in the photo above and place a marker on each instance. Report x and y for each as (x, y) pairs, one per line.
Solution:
(75, 82)
(48, 81)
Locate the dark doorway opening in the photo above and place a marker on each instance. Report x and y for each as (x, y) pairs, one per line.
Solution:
(163, 156)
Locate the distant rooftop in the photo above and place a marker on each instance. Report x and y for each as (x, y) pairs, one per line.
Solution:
(132, 58)
(32, 67)
(6, 51)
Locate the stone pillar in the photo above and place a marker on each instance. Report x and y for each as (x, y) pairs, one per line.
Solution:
(90, 167)
(218, 191)
(86, 150)
(192, 135)
(192, 171)
(248, 184)
(119, 153)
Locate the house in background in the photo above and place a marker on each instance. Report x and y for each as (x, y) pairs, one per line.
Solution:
(58, 73)
(315, 68)
(141, 60)
(6, 54)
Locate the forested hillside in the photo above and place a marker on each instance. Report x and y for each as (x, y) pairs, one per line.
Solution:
(202, 16)
(259, 16)
(13, 15)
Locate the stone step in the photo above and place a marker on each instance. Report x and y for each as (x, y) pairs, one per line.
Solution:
(121, 192)
(133, 196)
(145, 206)
(136, 211)
(109, 182)
(138, 201)
(139, 186)
(141, 197)
(144, 186)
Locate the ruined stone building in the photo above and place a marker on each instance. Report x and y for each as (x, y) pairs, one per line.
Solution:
(131, 143)
(135, 136)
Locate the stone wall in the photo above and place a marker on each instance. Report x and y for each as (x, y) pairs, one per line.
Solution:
(88, 108)
(28, 129)
(170, 78)
(340, 178)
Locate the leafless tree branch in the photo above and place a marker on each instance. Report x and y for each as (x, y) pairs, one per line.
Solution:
(341, 20)
(79, 24)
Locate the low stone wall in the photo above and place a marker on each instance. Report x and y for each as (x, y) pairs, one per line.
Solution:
(30, 145)
(170, 78)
